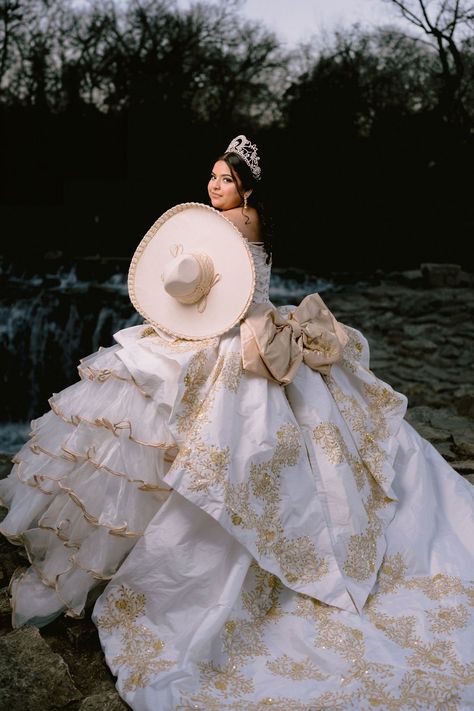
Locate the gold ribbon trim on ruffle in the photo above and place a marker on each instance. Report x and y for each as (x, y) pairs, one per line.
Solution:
(103, 422)
(274, 347)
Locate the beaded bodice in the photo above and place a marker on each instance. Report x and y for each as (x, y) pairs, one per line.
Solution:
(262, 272)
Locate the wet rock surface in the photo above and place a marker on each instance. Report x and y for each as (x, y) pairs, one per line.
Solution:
(32, 676)
(422, 342)
(420, 327)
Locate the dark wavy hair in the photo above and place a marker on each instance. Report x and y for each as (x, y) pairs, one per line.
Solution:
(239, 169)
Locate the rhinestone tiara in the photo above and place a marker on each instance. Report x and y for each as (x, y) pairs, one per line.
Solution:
(248, 152)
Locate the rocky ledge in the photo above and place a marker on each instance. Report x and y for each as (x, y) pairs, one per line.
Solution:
(420, 328)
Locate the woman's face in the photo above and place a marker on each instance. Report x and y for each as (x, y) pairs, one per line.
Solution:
(222, 187)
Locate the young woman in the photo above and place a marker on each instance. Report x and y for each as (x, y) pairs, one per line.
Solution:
(274, 533)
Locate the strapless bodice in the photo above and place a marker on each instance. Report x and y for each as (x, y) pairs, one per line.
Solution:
(262, 272)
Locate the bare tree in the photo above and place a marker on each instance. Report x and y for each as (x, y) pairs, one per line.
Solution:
(111, 55)
(10, 19)
(444, 22)
(359, 79)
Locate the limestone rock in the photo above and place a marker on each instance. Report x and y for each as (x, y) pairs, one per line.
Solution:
(32, 677)
(435, 275)
(464, 467)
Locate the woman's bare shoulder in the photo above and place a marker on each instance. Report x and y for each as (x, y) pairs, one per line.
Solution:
(247, 223)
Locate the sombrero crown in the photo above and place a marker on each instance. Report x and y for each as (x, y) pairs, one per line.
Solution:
(192, 275)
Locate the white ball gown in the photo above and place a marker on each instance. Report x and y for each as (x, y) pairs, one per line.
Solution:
(266, 547)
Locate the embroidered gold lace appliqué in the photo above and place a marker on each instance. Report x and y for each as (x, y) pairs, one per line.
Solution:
(430, 677)
(242, 640)
(364, 453)
(255, 504)
(329, 436)
(193, 402)
(435, 671)
(297, 670)
(141, 649)
(207, 464)
(242, 643)
(355, 352)
(444, 619)
(201, 384)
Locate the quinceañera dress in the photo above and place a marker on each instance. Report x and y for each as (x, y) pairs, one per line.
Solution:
(268, 546)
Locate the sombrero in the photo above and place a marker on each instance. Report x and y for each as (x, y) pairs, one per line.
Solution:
(192, 275)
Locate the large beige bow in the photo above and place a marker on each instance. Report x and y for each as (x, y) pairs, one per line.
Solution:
(274, 347)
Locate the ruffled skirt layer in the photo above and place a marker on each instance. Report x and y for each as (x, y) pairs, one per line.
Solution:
(84, 488)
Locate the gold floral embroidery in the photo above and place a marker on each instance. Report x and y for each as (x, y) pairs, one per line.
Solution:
(418, 690)
(371, 425)
(355, 352)
(207, 464)
(337, 701)
(329, 436)
(228, 371)
(253, 504)
(296, 670)
(347, 641)
(439, 655)
(445, 619)
(299, 560)
(435, 670)
(371, 428)
(361, 557)
(362, 554)
(141, 648)
(382, 398)
(366, 457)
(431, 676)
(311, 609)
(438, 586)
(192, 402)
(196, 402)
(400, 629)
(224, 687)
(469, 592)
(391, 574)
(262, 600)
(241, 640)
(297, 557)
(228, 681)
(352, 410)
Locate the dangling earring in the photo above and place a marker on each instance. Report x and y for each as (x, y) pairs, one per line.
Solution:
(247, 218)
